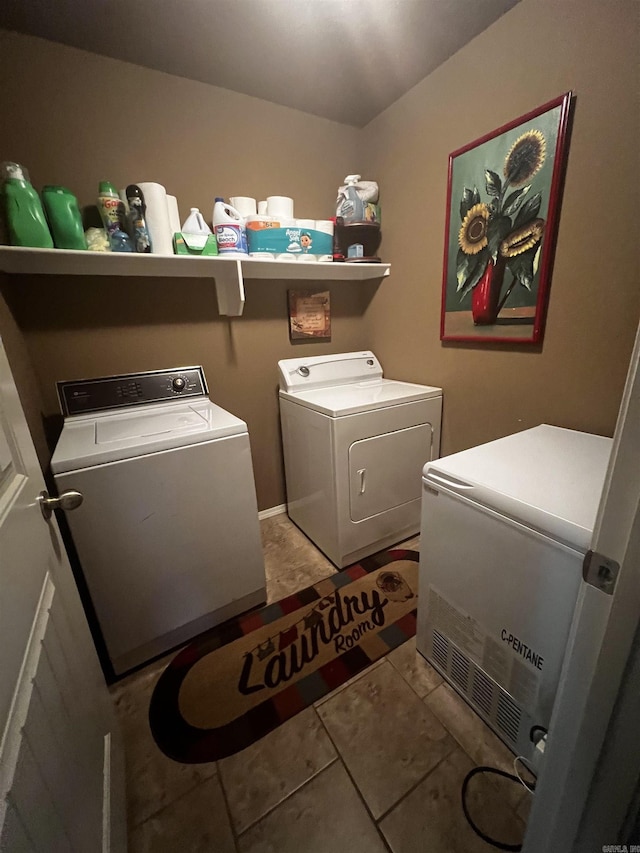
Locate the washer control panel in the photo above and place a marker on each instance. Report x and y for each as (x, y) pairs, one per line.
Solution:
(85, 396)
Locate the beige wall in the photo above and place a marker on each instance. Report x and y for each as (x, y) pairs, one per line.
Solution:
(78, 118)
(535, 52)
(201, 141)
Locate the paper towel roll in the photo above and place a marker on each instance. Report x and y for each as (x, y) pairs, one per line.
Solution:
(244, 205)
(280, 205)
(123, 199)
(157, 217)
(174, 214)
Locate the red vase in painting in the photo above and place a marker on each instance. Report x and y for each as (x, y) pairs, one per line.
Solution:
(486, 294)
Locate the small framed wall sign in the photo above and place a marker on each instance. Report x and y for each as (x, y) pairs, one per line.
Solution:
(502, 219)
(309, 315)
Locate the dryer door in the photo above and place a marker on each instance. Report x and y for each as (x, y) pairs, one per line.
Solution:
(386, 471)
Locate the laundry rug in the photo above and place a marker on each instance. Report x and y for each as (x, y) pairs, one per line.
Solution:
(238, 682)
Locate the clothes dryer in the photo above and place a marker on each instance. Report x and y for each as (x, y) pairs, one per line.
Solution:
(354, 447)
(167, 534)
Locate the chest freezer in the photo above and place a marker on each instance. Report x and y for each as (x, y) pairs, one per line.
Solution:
(504, 530)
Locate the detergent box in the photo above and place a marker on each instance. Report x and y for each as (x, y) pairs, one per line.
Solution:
(203, 245)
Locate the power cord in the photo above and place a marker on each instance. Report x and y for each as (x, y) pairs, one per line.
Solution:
(538, 736)
(476, 770)
(530, 788)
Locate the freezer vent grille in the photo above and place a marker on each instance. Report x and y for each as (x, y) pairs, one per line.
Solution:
(508, 716)
(482, 691)
(460, 669)
(440, 650)
(491, 702)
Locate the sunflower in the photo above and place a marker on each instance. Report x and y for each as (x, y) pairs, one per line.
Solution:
(473, 231)
(522, 239)
(525, 158)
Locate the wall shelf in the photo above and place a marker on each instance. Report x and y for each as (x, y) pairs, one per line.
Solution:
(229, 273)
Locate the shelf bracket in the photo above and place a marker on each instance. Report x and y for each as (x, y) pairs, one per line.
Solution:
(230, 288)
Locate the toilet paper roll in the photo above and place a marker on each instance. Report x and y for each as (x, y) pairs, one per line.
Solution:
(285, 256)
(174, 214)
(244, 205)
(157, 217)
(308, 224)
(324, 225)
(303, 258)
(280, 205)
(262, 208)
(262, 256)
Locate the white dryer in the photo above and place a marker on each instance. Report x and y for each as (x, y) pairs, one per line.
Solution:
(167, 534)
(354, 448)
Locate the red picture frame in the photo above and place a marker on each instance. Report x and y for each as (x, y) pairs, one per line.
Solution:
(503, 201)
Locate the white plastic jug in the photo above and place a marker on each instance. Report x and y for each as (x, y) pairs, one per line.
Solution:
(229, 228)
(195, 224)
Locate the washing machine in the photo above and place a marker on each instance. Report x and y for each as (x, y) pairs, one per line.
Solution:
(354, 447)
(167, 532)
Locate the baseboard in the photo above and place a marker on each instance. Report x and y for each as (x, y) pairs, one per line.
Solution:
(273, 510)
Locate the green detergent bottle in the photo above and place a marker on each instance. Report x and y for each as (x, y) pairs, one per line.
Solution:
(64, 218)
(26, 221)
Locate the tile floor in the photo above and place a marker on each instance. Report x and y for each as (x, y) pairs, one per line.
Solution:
(375, 766)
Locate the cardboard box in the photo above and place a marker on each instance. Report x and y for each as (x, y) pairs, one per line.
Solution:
(203, 245)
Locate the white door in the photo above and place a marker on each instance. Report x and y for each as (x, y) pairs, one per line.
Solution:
(61, 780)
(385, 471)
(589, 780)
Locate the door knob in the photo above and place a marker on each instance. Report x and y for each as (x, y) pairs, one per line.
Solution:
(68, 500)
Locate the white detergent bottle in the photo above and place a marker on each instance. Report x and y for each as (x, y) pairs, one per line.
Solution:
(229, 228)
(195, 224)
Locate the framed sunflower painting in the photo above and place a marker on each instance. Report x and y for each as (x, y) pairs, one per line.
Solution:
(502, 217)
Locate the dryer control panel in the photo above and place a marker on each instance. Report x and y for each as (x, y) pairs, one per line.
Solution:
(86, 396)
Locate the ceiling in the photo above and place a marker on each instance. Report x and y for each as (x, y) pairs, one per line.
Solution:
(345, 60)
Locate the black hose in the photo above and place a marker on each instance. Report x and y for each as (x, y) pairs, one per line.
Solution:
(499, 844)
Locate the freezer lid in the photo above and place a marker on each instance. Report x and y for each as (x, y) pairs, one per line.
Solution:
(111, 437)
(357, 397)
(548, 478)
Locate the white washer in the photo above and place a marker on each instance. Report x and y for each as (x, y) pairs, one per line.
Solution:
(168, 534)
(354, 448)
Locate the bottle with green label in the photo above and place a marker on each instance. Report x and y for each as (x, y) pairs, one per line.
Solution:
(64, 218)
(113, 216)
(25, 217)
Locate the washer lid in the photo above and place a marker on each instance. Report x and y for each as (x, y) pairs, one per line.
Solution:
(548, 478)
(113, 436)
(144, 424)
(356, 397)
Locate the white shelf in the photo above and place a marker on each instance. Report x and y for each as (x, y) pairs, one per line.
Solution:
(229, 273)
